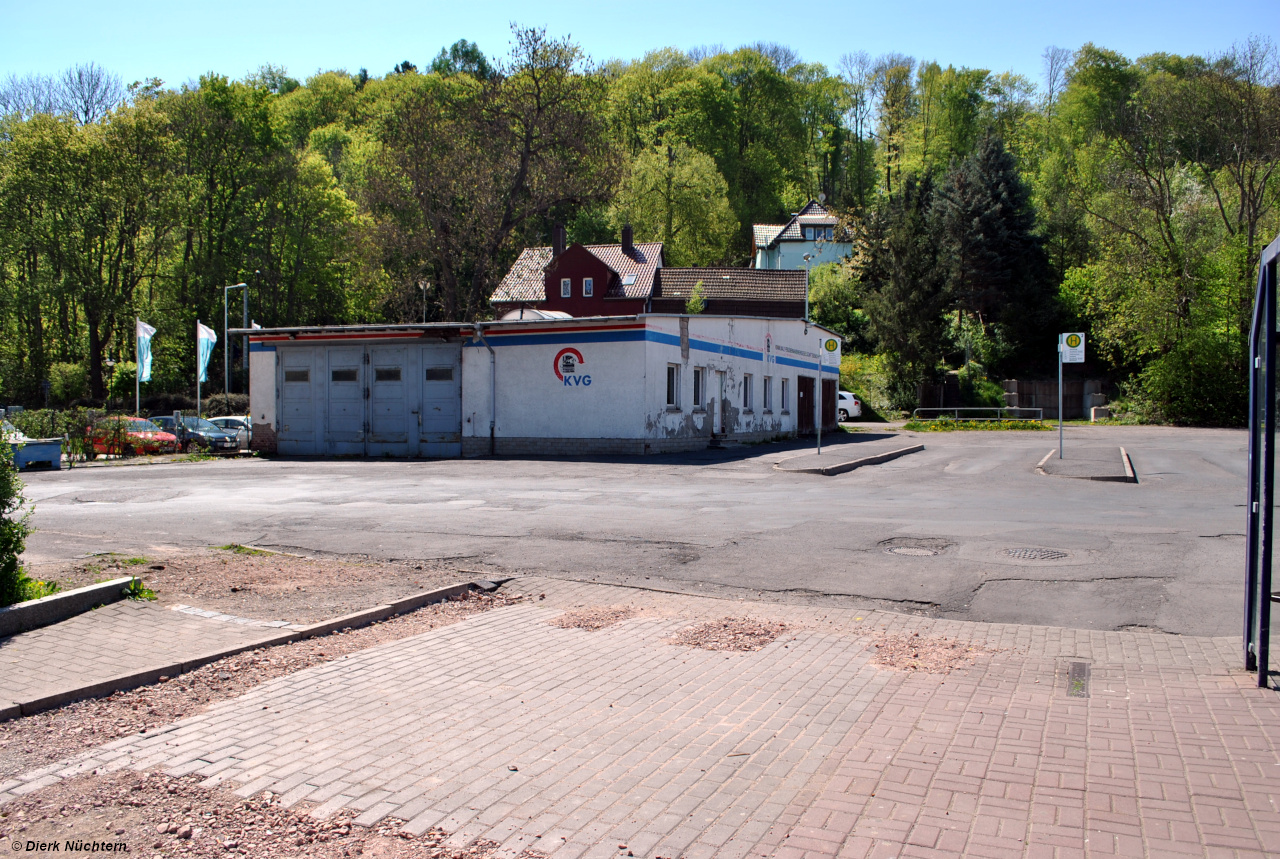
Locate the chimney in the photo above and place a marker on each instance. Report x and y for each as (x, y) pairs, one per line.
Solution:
(628, 246)
(557, 240)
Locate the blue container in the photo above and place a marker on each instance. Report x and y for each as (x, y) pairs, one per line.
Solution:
(38, 453)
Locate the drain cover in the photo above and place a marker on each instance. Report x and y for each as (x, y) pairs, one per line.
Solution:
(1036, 554)
(913, 551)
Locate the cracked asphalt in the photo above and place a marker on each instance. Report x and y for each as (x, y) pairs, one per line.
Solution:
(929, 533)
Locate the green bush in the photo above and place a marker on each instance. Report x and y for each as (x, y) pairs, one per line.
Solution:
(1193, 385)
(67, 382)
(977, 390)
(74, 425)
(122, 385)
(868, 378)
(14, 585)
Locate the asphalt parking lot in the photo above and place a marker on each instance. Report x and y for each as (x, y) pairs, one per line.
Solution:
(965, 529)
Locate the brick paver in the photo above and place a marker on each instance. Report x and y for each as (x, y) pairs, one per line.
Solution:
(506, 727)
(107, 642)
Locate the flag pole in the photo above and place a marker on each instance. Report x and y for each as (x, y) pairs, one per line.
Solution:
(198, 367)
(137, 367)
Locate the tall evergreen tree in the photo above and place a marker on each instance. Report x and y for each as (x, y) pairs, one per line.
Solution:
(995, 264)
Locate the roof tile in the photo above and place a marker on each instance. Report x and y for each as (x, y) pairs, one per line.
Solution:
(733, 283)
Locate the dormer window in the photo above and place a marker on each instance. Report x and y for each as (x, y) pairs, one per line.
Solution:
(588, 287)
(566, 288)
(808, 233)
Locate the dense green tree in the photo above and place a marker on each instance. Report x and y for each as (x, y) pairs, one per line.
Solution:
(675, 195)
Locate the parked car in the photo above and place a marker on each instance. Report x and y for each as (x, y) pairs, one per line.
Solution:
(848, 407)
(125, 436)
(239, 426)
(199, 433)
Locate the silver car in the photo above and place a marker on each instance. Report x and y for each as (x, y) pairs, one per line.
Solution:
(240, 426)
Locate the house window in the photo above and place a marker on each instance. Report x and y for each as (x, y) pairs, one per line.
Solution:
(588, 287)
(699, 394)
(766, 391)
(831, 233)
(566, 288)
(808, 233)
(297, 375)
(746, 392)
(673, 386)
(786, 403)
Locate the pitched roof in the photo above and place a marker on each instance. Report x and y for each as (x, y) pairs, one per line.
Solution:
(525, 281)
(812, 214)
(764, 234)
(753, 284)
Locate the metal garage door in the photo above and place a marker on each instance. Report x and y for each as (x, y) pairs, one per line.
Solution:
(298, 402)
(440, 418)
(371, 400)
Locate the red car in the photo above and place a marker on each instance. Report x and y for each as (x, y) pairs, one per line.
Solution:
(128, 436)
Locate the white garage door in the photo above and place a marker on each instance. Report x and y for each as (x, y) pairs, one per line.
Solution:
(371, 400)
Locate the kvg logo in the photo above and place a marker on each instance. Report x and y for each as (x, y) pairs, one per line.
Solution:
(566, 368)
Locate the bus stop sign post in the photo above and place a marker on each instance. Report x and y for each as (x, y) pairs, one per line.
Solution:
(1070, 351)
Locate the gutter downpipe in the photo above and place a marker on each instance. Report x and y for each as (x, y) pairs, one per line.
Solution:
(493, 386)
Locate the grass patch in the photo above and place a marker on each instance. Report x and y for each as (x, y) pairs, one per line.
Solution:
(131, 562)
(952, 425)
(243, 550)
(196, 457)
(34, 589)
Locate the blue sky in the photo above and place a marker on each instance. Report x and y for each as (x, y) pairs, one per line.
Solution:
(178, 41)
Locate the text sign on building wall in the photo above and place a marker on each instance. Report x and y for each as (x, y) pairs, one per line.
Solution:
(1072, 346)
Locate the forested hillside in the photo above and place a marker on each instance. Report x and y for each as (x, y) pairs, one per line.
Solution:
(1127, 197)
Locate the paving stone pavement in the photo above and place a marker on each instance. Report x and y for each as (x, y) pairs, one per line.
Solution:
(506, 727)
(125, 636)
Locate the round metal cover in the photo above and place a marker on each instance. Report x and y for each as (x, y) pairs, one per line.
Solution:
(914, 551)
(1030, 554)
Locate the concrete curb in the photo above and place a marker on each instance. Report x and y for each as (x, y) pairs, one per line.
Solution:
(147, 676)
(1129, 476)
(843, 467)
(33, 614)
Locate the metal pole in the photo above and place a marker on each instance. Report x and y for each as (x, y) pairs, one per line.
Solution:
(1059, 396)
(1268, 485)
(198, 365)
(819, 388)
(244, 353)
(226, 348)
(137, 368)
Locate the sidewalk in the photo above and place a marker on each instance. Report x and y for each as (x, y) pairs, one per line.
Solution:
(576, 742)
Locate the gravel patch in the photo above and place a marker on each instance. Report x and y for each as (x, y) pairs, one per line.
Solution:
(260, 585)
(921, 653)
(54, 735)
(593, 618)
(155, 814)
(730, 633)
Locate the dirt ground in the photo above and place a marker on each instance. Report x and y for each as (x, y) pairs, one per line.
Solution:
(154, 814)
(259, 584)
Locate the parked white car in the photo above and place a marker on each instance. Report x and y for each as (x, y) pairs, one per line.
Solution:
(848, 407)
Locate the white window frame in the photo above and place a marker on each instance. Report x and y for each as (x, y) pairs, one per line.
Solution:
(766, 394)
(566, 287)
(588, 287)
(786, 390)
(673, 387)
(699, 387)
(746, 392)
(808, 234)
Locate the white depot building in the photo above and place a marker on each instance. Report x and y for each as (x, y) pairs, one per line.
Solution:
(648, 383)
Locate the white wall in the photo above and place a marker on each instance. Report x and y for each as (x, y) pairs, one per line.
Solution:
(736, 346)
(606, 401)
(262, 385)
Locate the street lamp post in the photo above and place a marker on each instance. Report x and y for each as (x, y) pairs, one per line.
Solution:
(226, 342)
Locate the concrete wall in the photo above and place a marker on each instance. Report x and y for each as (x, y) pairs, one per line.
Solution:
(556, 381)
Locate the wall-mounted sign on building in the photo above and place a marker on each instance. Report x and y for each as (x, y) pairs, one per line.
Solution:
(566, 367)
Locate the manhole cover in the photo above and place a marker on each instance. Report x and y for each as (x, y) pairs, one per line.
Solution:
(914, 551)
(1036, 554)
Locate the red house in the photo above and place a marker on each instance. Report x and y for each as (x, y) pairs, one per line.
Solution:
(581, 280)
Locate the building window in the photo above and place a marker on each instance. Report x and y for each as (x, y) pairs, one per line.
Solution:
(673, 386)
(297, 375)
(786, 403)
(808, 233)
(566, 288)
(746, 392)
(699, 384)
(766, 391)
(831, 233)
(439, 374)
(386, 374)
(588, 287)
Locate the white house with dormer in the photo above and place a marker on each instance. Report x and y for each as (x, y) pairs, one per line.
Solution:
(814, 230)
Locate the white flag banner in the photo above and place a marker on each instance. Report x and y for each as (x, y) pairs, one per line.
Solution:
(145, 333)
(206, 338)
